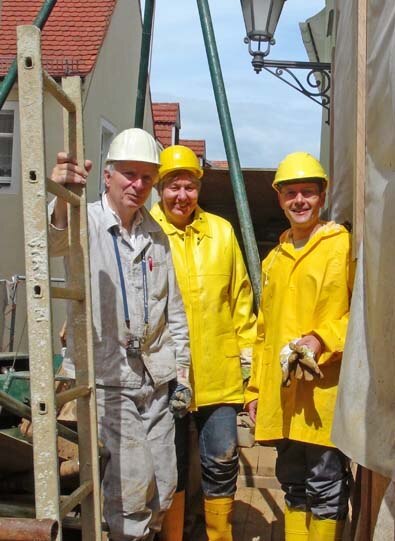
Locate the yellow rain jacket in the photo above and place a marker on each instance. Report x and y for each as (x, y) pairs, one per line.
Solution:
(303, 291)
(217, 295)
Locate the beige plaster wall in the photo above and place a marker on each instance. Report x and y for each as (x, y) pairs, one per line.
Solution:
(109, 93)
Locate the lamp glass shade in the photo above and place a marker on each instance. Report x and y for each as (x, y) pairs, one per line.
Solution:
(261, 18)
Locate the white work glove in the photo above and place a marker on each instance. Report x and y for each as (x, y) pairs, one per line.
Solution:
(299, 361)
(245, 363)
(180, 394)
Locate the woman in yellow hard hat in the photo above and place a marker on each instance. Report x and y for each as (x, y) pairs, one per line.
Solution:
(217, 294)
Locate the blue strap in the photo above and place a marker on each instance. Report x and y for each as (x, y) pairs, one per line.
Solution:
(123, 288)
(121, 279)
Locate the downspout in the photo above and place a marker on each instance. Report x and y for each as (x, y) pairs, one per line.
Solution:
(149, 10)
(236, 176)
(10, 78)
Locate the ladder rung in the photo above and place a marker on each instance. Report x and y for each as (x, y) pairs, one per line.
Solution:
(69, 502)
(58, 93)
(63, 193)
(69, 395)
(72, 294)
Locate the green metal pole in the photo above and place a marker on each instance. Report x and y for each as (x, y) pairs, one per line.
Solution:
(144, 62)
(10, 78)
(236, 176)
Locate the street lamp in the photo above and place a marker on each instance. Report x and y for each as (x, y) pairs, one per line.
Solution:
(260, 19)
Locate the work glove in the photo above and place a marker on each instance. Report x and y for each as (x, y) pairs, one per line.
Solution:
(180, 400)
(180, 393)
(245, 364)
(298, 361)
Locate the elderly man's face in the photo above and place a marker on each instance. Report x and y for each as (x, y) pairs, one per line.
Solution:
(180, 197)
(129, 185)
(301, 203)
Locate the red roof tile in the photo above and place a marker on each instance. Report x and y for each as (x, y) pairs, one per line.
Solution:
(167, 113)
(71, 38)
(197, 145)
(164, 133)
(219, 164)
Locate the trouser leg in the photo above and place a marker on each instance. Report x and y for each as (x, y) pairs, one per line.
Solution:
(315, 480)
(220, 465)
(173, 522)
(136, 427)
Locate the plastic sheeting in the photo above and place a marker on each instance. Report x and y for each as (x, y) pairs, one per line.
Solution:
(364, 426)
(344, 112)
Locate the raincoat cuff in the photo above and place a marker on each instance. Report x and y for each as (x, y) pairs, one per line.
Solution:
(331, 340)
(250, 395)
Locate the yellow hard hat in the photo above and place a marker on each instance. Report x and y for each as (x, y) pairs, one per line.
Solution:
(299, 167)
(178, 157)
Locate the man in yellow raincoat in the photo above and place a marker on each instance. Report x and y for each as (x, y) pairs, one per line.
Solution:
(306, 290)
(217, 295)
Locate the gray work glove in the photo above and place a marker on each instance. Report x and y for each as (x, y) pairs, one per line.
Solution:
(180, 400)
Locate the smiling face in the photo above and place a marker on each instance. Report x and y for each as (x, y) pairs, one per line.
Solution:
(301, 203)
(179, 196)
(128, 186)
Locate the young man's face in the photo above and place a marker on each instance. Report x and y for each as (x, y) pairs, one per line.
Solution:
(129, 185)
(180, 198)
(301, 203)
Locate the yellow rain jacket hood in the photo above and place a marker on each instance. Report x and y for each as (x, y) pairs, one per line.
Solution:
(303, 291)
(218, 302)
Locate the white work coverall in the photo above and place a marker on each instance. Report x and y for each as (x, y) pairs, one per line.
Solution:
(132, 394)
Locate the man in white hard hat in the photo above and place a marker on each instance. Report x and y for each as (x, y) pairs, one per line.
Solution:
(140, 334)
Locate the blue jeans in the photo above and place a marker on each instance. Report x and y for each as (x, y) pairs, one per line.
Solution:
(219, 457)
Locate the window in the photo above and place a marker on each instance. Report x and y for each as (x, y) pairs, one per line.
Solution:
(9, 143)
(108, 132)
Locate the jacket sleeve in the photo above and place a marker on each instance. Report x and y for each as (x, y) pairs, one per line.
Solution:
(57, 238)
(241, 302)
(333, 332)
(177, 321)
(252, 391)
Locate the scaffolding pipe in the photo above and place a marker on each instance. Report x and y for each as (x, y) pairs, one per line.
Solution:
(22, 410)
(10, 78)
(232, 156)
(144, 63)
(26, 529)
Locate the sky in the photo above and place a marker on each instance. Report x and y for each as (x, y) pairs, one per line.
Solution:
(269, 118)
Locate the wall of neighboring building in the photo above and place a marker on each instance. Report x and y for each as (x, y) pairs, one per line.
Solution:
(109, 98)
(110, 91)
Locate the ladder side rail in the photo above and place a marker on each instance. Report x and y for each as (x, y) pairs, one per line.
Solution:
(83, 332)
(31, 99)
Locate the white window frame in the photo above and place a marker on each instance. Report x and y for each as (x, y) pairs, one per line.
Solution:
(10, 185)
(105, 126)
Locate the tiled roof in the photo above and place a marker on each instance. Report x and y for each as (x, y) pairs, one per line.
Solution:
(166, 119)
(197, 145)
(164, 134)
(71, 38)
(168, 113)
(219, 164)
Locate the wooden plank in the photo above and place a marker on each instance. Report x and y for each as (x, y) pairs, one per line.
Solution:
(360, 144)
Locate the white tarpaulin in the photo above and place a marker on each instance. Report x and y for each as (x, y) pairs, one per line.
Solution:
(364, 426)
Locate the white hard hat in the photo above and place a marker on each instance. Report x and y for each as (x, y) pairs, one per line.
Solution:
(134, 145)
